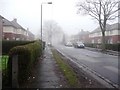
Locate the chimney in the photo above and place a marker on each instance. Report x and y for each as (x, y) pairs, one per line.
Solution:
(27, 29)
(15, 19)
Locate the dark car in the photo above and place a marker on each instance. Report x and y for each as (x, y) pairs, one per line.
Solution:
(79, 45)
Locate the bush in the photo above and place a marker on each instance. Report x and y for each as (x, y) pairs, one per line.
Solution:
(27, 55)
(114, 47)
(92, 45)
(7, 45)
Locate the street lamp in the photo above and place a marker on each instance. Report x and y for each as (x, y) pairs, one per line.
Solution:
(41, 23)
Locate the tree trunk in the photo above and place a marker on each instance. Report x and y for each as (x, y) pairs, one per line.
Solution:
(103, 41)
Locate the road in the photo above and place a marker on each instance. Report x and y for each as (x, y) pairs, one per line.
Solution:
(103, 64)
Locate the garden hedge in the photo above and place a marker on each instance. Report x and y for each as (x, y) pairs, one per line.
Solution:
(7, 45)
(114, 47)
(27, 56)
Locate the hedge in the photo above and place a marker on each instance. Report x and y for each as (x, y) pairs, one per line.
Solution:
(27, 55)
(114, 47)
(7, 45)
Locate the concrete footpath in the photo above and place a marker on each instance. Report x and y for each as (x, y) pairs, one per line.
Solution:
(46, 73)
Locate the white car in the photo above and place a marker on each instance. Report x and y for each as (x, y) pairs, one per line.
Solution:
(69, 44)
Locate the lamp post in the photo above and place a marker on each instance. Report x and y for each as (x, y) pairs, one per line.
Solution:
(41, 23)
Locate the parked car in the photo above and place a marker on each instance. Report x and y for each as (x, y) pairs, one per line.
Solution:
(49, 44)
(69, 44)
(79, 45)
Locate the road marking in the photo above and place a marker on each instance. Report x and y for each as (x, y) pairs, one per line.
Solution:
(114, 69)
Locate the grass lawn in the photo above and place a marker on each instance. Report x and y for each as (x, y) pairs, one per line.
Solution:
(3, 62)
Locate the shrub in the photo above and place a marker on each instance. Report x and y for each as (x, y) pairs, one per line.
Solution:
(91, 45)
(27, 55)
(7, 45)
(114, 47)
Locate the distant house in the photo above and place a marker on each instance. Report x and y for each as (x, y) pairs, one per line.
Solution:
(84, 36)
(112, 34)
(11, 30)
(81, 36)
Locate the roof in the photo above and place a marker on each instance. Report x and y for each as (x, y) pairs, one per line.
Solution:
(115, 26)
(6, 22)
(1, 17)
(30, 33)
(11, 23)
(82, 32)
(15, 24)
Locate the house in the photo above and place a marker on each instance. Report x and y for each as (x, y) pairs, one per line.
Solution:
(1, 18)
(8, 30)
(82, 36)
(112, 34)
(11, 30)
(20, 33)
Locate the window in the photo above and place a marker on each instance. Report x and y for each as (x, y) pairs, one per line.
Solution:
(111, 32)
(17, 38)
(13, 38)
(7, 38)
(93, 41)
(111, 41)
(98, 33)
(99, 40)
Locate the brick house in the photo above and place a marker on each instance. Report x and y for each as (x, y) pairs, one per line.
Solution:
(112, 34)
(81, 36)
(11, 30)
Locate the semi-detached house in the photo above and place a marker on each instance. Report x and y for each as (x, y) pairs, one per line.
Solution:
(112, 34)
(11, 30)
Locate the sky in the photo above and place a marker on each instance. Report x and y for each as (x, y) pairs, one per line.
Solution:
(64, 12)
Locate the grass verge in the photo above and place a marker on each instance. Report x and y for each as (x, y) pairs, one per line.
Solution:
(3, 62)
(69, 74)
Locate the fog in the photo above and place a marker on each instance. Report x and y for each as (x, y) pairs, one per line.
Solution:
(64, 12)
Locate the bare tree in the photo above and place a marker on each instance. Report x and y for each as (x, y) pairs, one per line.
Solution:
(52, 30)
(102, 11)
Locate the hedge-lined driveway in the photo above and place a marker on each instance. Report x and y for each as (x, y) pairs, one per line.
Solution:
(103, 64)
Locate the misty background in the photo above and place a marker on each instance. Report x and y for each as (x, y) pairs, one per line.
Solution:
(61, 12)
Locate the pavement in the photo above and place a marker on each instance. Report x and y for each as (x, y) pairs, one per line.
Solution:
(46, 73)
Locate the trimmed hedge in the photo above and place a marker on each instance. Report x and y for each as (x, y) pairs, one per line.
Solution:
(27, 55)
(92, 45)
(7, 45)
(114, 47)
